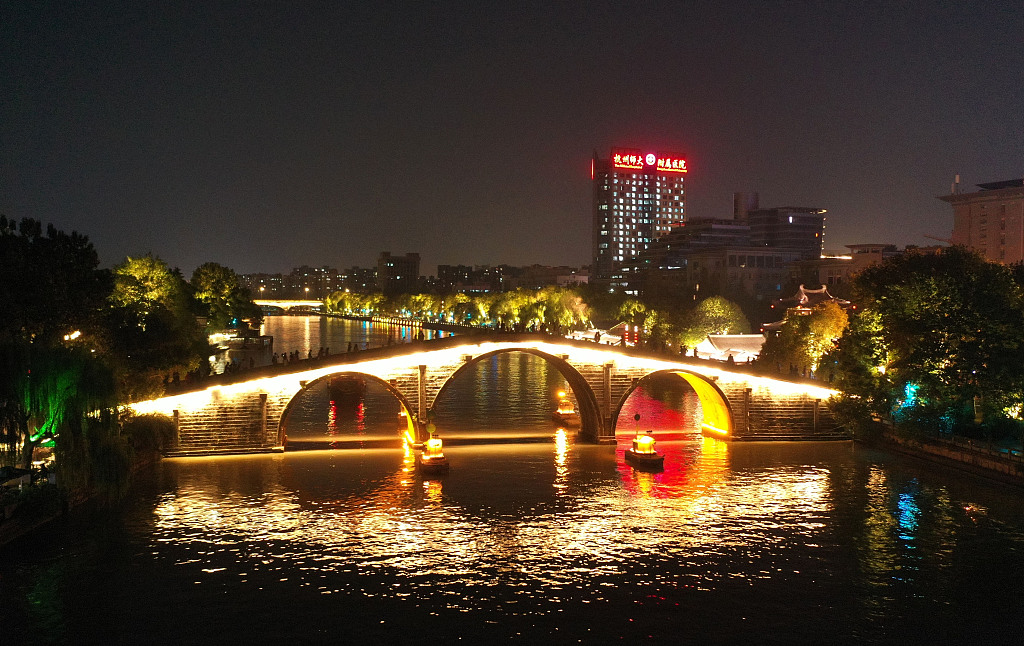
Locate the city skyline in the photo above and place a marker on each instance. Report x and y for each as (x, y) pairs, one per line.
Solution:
(279, 135)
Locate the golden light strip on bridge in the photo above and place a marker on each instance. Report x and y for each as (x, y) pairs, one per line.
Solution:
(717, 417)
(385, 369)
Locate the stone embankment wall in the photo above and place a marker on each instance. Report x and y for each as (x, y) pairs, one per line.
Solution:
(964, 454)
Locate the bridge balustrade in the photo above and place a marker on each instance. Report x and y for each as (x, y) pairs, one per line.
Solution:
(248, 411)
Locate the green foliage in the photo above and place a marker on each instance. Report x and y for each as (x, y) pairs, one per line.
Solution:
(948, 326)
(76, 342)
(633, 311)
(224, 301)
(50, 284)
(552, 309)
(53, 296)
(714, 315)
(806, 337)
(152, 325)
(149, 433)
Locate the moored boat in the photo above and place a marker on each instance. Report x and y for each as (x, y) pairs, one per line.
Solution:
(642, 454)
(432, 461)
(565, 415)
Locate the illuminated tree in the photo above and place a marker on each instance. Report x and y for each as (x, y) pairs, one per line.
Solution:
(805, 337)
(224, 301)
(714, 315)
(53, 295)
(938, 340)
(153, 327)
(564, 309)
(632, 311)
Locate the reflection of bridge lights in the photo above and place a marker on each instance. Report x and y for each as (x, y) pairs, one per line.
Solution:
(433, 491)
(561, 452)
(332, 418)
(361, 418)
(561, 447)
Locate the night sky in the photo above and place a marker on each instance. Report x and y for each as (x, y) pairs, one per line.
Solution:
(267, 135)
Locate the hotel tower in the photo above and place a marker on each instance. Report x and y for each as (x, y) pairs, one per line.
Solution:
(638, 197)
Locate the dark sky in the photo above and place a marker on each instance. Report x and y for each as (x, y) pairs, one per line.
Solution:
(266, 135)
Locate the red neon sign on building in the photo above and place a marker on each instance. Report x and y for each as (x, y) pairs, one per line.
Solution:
(671, 164)
(638, 160)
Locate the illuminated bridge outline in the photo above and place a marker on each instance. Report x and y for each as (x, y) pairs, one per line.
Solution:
(246, 414)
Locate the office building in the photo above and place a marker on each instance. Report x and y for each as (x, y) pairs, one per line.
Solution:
(788, 227)
(990, 221)
(638, 197)
(398, 274)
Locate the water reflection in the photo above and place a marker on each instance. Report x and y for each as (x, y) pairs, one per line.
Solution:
(373, 510)
(552, 540)
(527, 535)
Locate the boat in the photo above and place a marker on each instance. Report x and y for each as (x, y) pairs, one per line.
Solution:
(566, 415)
(432, 461)
(642, 455)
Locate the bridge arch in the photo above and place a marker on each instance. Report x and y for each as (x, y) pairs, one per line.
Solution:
(718, 415)
(410, 431)
(589, 409)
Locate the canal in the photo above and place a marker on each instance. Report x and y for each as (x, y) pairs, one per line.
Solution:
(532, 536)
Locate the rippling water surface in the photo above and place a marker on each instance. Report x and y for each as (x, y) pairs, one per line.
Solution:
(548, 540)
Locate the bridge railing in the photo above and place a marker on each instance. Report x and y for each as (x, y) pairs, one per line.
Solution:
(476, 335)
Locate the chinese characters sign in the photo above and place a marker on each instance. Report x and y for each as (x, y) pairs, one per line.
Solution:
(638, 160)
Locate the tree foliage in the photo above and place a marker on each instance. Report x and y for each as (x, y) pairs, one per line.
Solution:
(939, 337)
(153, 328)
(805, 337)
(53, 294)
(713, 315)
(77, 342)
(551, 309)
(223, 300)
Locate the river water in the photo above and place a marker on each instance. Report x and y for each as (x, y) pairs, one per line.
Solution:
(532, 536)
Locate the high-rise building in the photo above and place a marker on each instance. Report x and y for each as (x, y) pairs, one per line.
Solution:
(990, 221)
(638, 197)
(398, 274)
(789, 227)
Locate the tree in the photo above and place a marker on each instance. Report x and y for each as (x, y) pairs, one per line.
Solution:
(50, 283)
(225, 303)
(153, 327)
(713, 315)
(53, 295)
(938, 339)
(805, 337)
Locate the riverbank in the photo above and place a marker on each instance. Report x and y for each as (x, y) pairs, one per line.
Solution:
(45, 510)
(960, 453)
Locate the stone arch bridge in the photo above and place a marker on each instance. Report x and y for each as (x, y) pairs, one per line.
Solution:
(249, 411)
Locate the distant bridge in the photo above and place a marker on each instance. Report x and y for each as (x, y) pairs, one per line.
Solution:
(284, 305)
(249, 412)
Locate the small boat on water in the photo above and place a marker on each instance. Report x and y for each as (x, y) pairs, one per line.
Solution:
(566, 415)
(432, 461)
(642, 455)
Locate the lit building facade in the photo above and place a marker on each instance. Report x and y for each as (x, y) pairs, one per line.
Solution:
(990, 221)
(789, 227)
(398, 274)
(638, 197)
